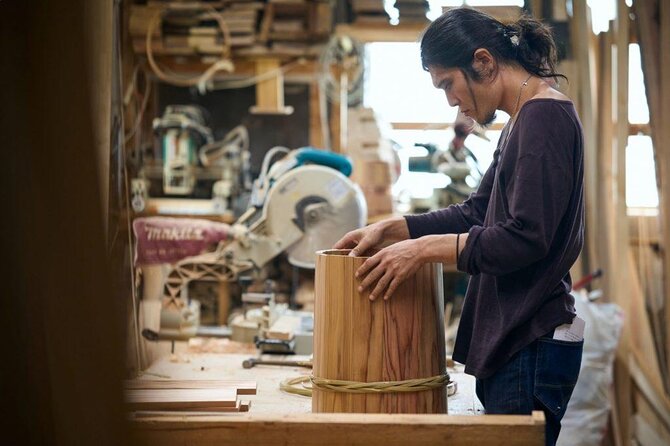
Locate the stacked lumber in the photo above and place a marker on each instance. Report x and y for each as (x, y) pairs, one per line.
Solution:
(192, 30)
(374, 178)
(286, 27)
(369, 12)
(373, 169)
(292, 26)
(188, 395)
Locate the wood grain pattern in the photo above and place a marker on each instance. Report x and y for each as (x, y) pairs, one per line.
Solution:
(359, 340)
(243, 387)
(179, 399)
(342, 429)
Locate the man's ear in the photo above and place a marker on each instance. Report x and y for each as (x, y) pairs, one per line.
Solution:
(484, 64)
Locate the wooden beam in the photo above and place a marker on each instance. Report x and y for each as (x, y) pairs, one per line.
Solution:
(664, 140)
(316, 118)
(244, 68)
(621, 288)
(581, 42)
(382, 33)
(604, 207)
(342, 429)
(270, 92)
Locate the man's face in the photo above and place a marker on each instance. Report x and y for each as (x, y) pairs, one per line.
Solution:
(474, 99)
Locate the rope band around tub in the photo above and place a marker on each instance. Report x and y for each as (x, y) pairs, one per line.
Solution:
(408, 385)
(336, 385)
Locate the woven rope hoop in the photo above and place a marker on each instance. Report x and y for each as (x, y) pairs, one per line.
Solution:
(335, 385)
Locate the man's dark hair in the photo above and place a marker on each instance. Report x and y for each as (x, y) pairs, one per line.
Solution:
(452, 39)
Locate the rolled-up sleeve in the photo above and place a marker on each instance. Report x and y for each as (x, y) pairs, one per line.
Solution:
(537, 192)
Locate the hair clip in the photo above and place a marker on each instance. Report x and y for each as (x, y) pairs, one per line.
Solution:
(515, 40)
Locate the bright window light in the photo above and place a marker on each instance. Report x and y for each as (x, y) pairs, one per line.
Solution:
(638, 109)
(602, 11)
(398, 88)
(641, 188)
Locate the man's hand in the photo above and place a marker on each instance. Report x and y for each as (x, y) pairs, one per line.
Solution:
(374, 236)
(390, 267)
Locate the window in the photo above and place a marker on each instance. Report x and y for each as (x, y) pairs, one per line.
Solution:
(641, 190)
(400, 91)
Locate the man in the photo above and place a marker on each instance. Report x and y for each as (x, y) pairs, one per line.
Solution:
(519, 234)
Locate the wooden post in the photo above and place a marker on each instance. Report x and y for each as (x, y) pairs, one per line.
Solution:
(664, 42)
(270, 92)
(316, 118)
(621, 287)
(581, 38)
(605, 208)
(356, 339)
(224, 302)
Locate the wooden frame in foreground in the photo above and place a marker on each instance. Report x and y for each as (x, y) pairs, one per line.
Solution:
(341, 429)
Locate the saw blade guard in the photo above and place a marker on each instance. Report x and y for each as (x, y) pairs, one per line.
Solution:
(320, 202)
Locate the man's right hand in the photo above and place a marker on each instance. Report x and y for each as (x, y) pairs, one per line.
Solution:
(375, 236)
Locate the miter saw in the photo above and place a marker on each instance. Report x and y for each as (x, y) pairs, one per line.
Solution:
(300, 204)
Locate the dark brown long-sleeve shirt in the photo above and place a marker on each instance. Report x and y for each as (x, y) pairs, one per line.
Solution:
(526, 226)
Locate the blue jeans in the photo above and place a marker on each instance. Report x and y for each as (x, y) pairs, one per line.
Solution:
(539, 377)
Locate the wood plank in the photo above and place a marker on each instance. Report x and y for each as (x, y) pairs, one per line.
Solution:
(659, 402)
(645, 434)
(165, 399)
(243, 387)
(343, 429)
(284, 328)
(650, 416)
(242, 406)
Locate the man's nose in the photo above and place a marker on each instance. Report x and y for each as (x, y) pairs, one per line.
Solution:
(451, 100)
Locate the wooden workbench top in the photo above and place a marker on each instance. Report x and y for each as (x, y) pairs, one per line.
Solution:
(269, 399)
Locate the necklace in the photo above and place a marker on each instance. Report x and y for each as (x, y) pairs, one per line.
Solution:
(518, 98)
(516, 107)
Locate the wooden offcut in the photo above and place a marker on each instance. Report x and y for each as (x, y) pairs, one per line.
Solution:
(359, 340)
(241, 387)
(180, 399)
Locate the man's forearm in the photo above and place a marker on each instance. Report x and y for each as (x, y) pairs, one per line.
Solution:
(442, 248)
(395, 229)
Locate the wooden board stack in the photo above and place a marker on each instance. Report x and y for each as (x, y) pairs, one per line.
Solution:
(371, 154)
(374, 177)
(285, 27)
(188, 395)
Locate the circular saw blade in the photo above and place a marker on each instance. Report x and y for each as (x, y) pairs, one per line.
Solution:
(331, 226)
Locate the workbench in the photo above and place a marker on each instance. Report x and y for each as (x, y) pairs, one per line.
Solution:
(276, 417)
(269, 399)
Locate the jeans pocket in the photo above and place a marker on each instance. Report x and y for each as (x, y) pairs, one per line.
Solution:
(556, 373)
